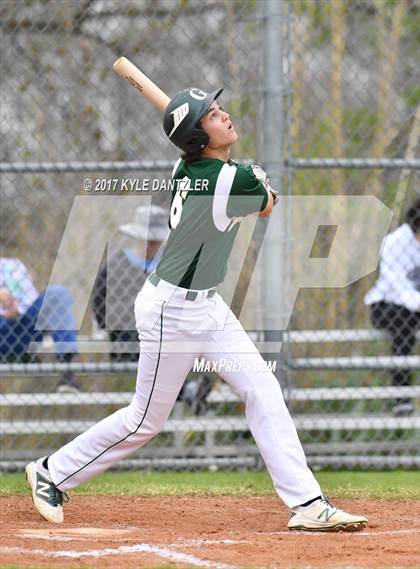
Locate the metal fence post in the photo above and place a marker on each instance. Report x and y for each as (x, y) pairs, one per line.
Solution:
(273, 251)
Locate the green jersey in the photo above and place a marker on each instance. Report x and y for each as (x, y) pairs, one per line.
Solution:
(208, 201)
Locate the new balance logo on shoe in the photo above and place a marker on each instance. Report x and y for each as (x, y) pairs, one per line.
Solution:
(43, 487)
(327, 513)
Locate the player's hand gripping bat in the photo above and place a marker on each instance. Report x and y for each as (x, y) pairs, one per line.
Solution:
(137, 79)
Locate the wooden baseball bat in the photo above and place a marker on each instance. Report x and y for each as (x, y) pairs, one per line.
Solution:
(137, 79)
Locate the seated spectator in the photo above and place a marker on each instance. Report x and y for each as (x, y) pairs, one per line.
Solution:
(22, 321)
(395, 299)
(116, 289)
(120, 280)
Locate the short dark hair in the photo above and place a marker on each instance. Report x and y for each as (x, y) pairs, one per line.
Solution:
(190, 157)
(412, 217)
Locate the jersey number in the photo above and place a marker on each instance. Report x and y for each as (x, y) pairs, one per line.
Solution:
(178, 201)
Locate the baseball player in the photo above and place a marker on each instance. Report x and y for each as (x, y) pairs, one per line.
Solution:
(180, 316)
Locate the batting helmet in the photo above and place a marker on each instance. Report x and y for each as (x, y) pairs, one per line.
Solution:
(182, 115)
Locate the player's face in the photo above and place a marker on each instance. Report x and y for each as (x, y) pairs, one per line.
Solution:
(217, 124)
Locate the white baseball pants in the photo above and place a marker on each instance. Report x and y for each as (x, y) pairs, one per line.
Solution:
(174, 332)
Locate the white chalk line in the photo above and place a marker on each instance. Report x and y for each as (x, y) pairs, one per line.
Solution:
(123, 550)
(172, 555)
(355, 534)
(389, 532)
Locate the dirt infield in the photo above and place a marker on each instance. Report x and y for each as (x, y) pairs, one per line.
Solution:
(219, 532)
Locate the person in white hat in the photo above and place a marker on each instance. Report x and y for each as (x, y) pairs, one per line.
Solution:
(124, 274)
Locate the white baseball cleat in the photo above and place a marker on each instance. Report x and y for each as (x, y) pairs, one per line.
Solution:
(47, 498)
(322, 516)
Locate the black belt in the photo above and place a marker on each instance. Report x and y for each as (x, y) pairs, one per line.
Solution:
(190, 294)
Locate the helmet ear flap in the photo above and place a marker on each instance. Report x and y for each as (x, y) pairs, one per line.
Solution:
(203, 138)
(197, 142)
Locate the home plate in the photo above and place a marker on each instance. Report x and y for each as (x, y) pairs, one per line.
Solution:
(74, 532)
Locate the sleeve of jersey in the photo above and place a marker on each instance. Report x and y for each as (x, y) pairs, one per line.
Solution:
(247, 194)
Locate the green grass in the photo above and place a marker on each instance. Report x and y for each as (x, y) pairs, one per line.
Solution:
(387, 485)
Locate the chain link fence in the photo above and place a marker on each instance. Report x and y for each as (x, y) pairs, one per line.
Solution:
(353, 130)
(79, 143)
